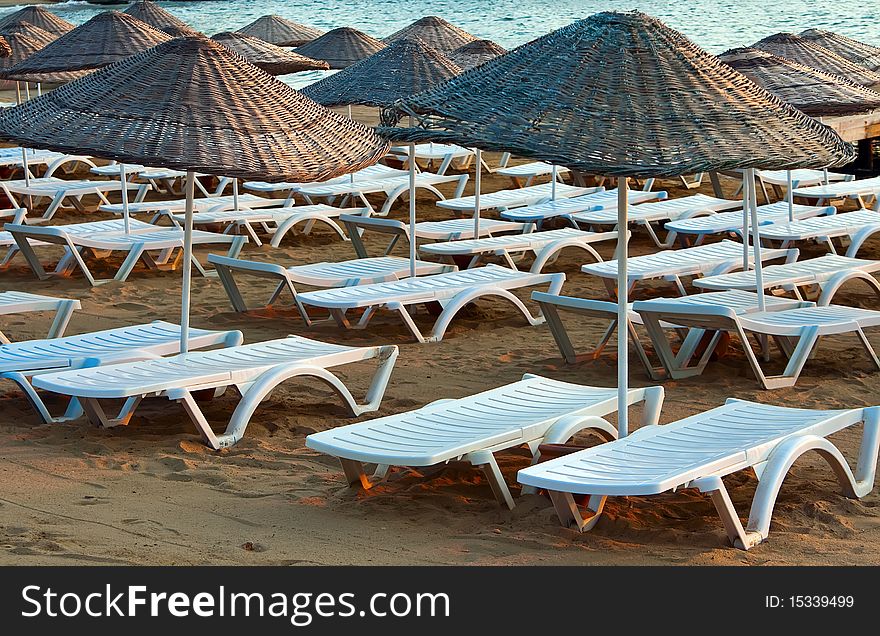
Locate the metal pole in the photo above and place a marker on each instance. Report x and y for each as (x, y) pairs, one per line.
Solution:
(187, 261)
(790, 196)
(746, 189)
(756, 242)
(24, 160)
(553, 182)
(477, 187)
(235, 193)
(125, 212)
(412, 210)
(622, 309)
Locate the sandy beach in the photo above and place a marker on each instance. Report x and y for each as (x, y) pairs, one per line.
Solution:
(151, 493)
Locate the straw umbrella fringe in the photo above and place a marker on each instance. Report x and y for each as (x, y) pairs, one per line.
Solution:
(248, 125)
(272, 59)
(280, 32)
(853, 50)
(675, 110)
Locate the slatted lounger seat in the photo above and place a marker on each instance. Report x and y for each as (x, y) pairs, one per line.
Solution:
(861, 190)
(816, 279)
(254, 369)
(393, 188)
(796, 332)
(361, 271)
(178, 206)
(672, 265)
(564, 208)
(503, 199)
(370, 173)
(525, 174)
(11, 158)
(546, 247)
(552, 305)
(439, 157)
(448, 230)
(15, 302)
(659, 212)
(856, 227)
(138, 246)
(20, 361)
(525, 413)
(163, 179)
(732, 222)
(698, 451)
(451, 291)
(61, 190)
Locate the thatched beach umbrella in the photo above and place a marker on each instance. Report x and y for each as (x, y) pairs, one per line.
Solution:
(192, 104)
(107, 38)
(38, 16)
(808, 89)
(39, 36)
(476, 53)
(859, 52)
(341, 47)
(158, 18)
(272, 59)
(621, 94)
(281, 32)
(435, 32)
(808, 53)
(5, 49)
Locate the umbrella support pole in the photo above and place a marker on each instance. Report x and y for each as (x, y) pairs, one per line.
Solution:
(478, 175)
(622, 313)
(187, 261)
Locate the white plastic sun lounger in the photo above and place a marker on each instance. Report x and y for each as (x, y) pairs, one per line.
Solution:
(551, 306)
(20, 361)
(564, 208)
(857, 227)
(452, 291)
(393, 188)
(360, 271)
(448, 230)
(503, 199)
(370, 173)
(162, 179)
(672, 265)
(14, 302)
(443, 156)
(472, 429)
(178, 206)
(698, 451)
(525, 174)
(665, 210)
(61, 190)
(11, 158)
(858, 189)
(819, 278)
(254, 369)
(138, 245)
(274, 221)
(796, 332)
(546, 247)
(732, 222)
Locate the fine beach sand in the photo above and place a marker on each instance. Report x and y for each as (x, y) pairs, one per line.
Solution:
(151, 493)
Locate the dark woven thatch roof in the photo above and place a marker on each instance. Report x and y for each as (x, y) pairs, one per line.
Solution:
(158, 18)
(38, 16)
(272, 59)
(180, 31)
(35, 33)
(807, 89)
(619, 94)
(809, 53)
(192, 104)
(5, 49)
(342, 47)
(476, 53)
(399, 70)
(859, 52)
(108, 37)
(23, 47)
(280, 32)
(435, 32)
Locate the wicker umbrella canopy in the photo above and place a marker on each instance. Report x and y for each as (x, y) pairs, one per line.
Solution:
(280, 32)
(341, 47)
(402, 69)
(435, 32)
(108, 37)
(5, 49)
(859, 52)
(809, 53)
(664, 107)
(35, 33)
(807, 89)
(475, 53)
(158, 18)
(23, 47)
(38, 16)
(272, 59)
(192, 104)
(180, 31)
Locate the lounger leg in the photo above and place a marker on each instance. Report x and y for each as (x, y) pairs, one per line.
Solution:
(830, 288)
(560, 333)
(31, 257)
(32, 396)
(868, 348)
(224, 273)
(486, 462)
(192, 409)
(570, 516)
(738, 536)
(354, 473)
(62, 318)
(53, 206)
(134, 255)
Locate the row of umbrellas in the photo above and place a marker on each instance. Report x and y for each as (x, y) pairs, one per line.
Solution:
(618, 94)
